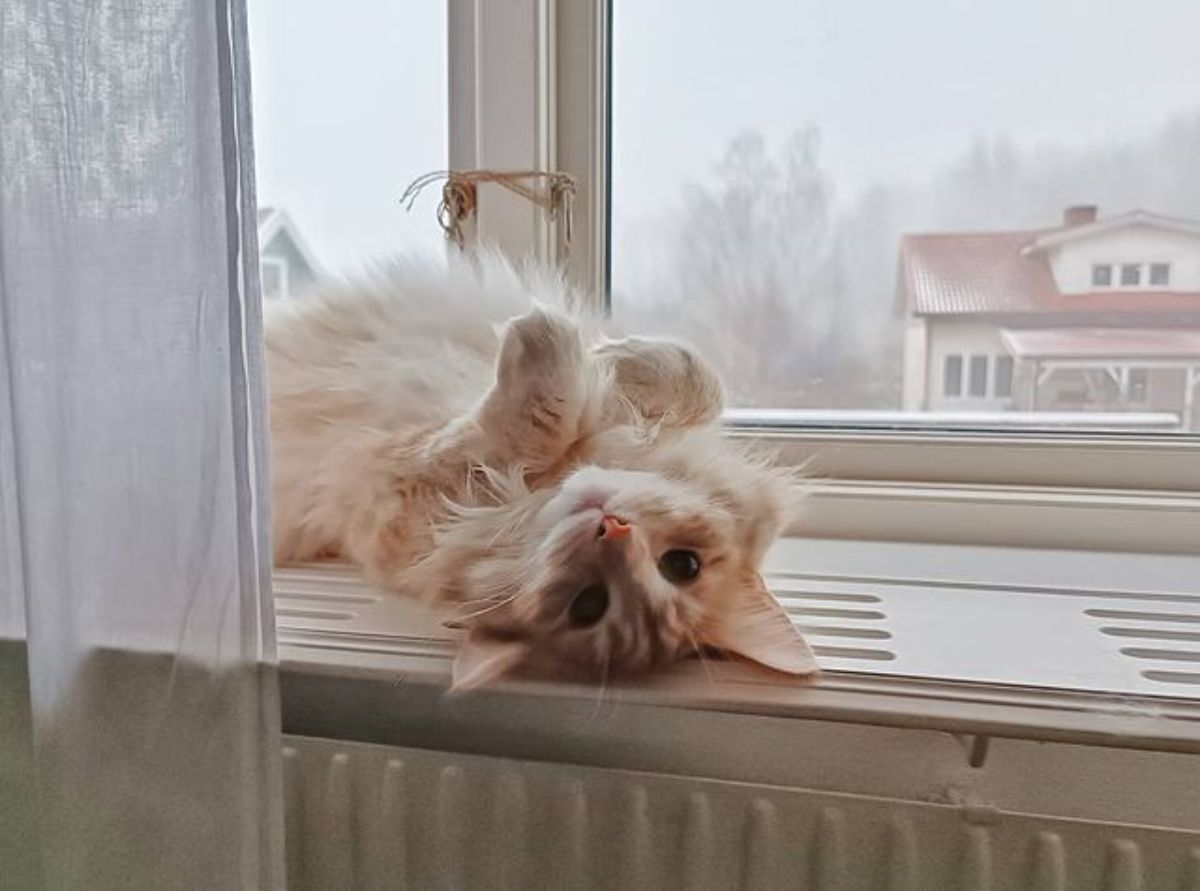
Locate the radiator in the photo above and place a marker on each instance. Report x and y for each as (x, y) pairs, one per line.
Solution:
(369, 816)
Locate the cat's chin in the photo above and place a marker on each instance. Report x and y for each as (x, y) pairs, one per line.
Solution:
(593, 499)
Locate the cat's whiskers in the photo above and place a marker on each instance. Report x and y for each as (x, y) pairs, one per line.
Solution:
(599, 693)
(493, 604)
(699, 650)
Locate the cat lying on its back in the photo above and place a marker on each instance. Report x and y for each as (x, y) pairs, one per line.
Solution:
(574, 492)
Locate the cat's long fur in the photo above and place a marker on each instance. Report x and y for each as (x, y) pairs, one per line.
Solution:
(449, 429)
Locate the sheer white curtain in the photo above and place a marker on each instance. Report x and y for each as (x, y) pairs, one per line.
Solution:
(139, 737)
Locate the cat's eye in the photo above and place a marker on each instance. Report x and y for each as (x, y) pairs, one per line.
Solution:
(679, 566)
(589, 606)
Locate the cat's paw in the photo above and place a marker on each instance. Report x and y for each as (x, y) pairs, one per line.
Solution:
(664, 381)
(538, 346)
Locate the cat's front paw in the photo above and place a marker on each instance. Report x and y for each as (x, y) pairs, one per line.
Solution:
(537, 347)
(665, 382)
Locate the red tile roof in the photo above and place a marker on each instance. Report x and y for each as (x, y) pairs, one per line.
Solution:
(966, 273)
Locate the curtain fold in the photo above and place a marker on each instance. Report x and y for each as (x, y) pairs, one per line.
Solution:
(139, 728)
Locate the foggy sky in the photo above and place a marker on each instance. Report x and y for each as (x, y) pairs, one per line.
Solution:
(349, 100)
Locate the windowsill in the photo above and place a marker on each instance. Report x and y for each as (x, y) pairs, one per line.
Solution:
(975, 640)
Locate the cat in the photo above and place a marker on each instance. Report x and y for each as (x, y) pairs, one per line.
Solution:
(466, 433)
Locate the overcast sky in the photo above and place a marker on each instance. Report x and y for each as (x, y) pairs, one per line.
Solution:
(350, 98)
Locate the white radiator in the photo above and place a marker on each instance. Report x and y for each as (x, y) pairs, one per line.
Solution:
(367, 816)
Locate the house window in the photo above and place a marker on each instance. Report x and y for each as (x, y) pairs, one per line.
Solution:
(274, 278)
(1102, 275)
(1002, 378)
(1139, 384)
(977, 382)
(1131, 275)
(1160, 274)
(952, 376)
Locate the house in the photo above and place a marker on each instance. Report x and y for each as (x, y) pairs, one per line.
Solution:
(1096, 315)
(287, 265)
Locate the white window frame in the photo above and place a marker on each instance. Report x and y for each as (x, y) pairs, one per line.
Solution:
(528, 89)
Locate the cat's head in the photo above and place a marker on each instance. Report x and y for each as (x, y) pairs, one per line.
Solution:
(615, 572)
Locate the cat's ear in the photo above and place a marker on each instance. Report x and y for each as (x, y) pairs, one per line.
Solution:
(755, 626)
(483, 657)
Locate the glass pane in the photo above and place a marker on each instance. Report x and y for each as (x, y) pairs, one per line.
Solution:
(349, 107)
(831, 199)
(979, 371)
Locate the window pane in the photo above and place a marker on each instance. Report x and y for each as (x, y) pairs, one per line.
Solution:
(349, 107)
(272, 278)
(952, 376)
(1002, 385)
(979, 370)
(829, 199)
(1160, 274)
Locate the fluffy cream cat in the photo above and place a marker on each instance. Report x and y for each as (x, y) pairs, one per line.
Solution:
(572, 493)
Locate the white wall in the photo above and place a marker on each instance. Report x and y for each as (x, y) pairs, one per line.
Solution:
(915, 371)
(950, 337)
(1072, 262)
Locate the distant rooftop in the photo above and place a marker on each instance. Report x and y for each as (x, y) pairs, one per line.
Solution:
(966, 273)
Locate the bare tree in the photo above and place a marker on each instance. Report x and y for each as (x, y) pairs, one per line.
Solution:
(747, 274)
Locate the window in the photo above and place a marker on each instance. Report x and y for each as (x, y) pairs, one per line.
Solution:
(1160, 274)
(274, 278)
(952, 371)
(343, 120)
(756, 213)
(818, 353)
(1002, 381)
(977, 385)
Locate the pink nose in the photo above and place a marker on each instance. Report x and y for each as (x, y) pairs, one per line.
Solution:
(614, 527)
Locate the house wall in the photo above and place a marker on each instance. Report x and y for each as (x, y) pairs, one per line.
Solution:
(915, 373)
(1072, 263)
(952, 337)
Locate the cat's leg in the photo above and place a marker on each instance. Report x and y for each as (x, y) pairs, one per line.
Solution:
(663, 381)
(532, 413)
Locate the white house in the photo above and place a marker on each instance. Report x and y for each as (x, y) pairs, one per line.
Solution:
(287, 265)
(1098, 315)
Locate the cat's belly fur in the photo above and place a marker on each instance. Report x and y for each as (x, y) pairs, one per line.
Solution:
(348, 421)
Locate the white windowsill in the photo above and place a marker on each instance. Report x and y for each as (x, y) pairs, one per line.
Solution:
(985, 641)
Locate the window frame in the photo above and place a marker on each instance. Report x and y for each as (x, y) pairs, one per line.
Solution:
(529, 89)
(1166, 282)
